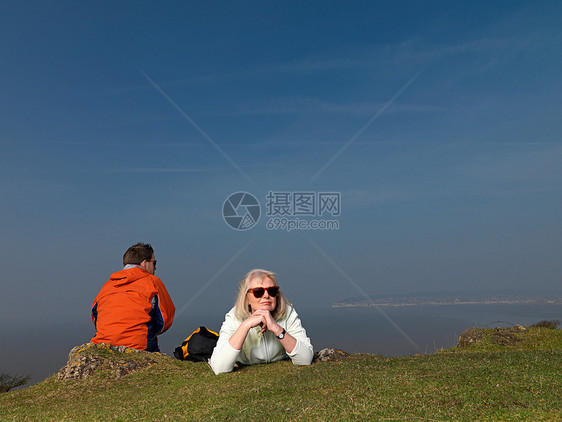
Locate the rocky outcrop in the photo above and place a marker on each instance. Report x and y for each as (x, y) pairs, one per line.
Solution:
(88, 358)
(471, 336)
(506, 336)
(499, 335)
(328, 354)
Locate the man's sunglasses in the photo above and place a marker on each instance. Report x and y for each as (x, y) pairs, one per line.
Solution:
(259, 291)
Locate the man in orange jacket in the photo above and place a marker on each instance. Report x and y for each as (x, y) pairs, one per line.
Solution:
(133, 307)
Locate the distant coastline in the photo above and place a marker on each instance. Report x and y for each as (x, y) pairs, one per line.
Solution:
(442, 300)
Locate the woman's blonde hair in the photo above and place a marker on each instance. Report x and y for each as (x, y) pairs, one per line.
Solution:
(242, 307)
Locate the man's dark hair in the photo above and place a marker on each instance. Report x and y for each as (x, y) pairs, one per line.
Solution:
(137, 253)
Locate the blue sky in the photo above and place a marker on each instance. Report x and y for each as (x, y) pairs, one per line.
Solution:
(440, 122)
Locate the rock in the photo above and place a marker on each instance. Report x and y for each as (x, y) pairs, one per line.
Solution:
(84, 360)
(505, 336)
(471, 336)
(327, 354)
(500, 335)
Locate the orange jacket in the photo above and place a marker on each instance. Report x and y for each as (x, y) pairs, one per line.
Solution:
(131, 309)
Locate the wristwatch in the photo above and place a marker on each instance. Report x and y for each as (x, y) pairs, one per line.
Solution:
(281, 334)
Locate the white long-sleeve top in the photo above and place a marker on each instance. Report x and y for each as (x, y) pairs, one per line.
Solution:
(258, 347)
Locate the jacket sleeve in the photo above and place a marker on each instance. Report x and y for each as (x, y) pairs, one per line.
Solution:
(224, 355)
(165, 304)
(303, 352)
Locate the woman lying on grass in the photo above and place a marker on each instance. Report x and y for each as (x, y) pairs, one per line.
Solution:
(262, 327)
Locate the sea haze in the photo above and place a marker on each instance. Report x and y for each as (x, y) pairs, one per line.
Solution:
(405, 330)
(400, 331)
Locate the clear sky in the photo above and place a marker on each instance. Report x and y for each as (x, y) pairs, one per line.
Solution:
(439, 123)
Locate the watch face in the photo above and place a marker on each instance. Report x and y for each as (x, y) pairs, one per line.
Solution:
(281, 335)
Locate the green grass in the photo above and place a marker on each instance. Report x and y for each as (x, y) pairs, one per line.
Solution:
(523, 382)
(533, 338)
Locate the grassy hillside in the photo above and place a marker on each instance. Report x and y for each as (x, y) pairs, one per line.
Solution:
(483, 381)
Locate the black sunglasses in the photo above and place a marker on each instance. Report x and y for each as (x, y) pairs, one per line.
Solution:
(259, 291)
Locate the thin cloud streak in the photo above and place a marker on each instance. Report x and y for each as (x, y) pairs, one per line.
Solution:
(167, 170)
(410, 51)
(300, 106)
(104, 144)
(407, 51)
(367, 58)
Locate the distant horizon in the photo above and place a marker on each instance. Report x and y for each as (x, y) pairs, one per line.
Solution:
(528, 293)
(430, 327)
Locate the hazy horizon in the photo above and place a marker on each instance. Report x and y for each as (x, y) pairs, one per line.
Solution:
(42, 350)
